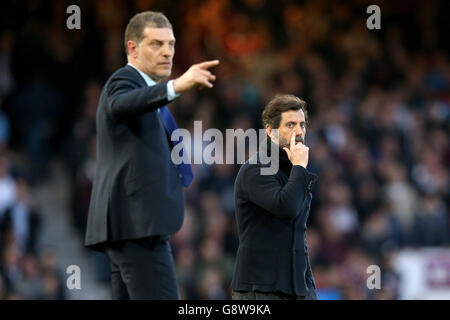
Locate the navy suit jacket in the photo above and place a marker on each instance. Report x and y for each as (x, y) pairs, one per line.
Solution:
(271, 215)
(137, 191)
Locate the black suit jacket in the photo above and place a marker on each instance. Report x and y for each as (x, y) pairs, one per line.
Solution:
(137, 191)
(271, 215)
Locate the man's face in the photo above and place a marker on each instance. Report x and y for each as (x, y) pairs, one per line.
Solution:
(291, 121)
(154, 54)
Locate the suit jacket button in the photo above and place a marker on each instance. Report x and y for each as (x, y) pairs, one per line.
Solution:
(180, 175)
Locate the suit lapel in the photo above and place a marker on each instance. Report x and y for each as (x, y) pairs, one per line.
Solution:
(136, 76)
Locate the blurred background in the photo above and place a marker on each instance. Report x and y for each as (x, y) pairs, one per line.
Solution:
(379, 109)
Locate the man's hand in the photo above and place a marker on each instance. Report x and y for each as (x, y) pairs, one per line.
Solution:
(297, 153)
(196, 75)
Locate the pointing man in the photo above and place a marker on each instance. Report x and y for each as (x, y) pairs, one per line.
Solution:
(136, 201)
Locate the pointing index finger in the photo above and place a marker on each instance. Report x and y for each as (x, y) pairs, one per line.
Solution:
(208, 64)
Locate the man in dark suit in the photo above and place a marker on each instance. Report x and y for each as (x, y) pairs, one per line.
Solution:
(137, 201)
(272, 210)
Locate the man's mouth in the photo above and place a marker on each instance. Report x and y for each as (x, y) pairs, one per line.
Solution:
(299, 139)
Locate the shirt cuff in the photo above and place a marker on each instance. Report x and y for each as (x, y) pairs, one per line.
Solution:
(171, 95)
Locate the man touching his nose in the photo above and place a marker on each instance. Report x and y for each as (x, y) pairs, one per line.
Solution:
(272, 211)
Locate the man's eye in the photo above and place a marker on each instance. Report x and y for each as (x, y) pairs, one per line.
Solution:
(290, 125)
(156, 44)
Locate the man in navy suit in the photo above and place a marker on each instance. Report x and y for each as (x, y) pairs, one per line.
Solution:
(272, 211)
(136, 201)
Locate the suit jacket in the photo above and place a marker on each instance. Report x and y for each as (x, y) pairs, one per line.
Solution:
(271, 215)
(137, 190)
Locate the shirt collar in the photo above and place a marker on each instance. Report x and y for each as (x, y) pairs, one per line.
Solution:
(147, 79)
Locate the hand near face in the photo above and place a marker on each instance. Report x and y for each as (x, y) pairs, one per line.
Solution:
(196, 75)
(298, 153)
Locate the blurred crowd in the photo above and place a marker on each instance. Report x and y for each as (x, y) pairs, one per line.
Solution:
(26, 271)
(379, 111)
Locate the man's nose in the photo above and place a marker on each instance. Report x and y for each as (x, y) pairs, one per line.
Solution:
(166, 51)
(298, 131)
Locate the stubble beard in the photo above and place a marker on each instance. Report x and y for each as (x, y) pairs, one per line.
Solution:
(284, 143)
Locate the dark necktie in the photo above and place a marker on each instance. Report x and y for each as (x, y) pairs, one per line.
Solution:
(184, 169)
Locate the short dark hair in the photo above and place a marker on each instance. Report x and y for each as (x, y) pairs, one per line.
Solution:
(281, 103)
(135, 28)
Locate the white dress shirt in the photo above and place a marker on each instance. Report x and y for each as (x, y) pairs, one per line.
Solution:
(170, 89)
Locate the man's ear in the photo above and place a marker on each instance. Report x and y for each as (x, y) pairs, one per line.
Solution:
(268, 130)
(132, 46)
